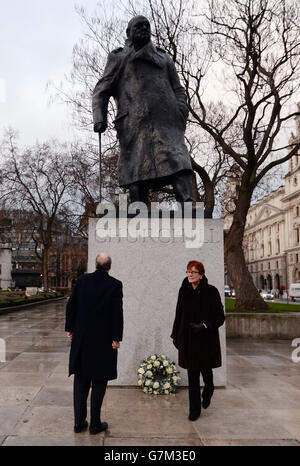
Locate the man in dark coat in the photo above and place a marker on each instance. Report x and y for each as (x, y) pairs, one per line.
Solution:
(94, 321)
(151, 115)
(199, 314)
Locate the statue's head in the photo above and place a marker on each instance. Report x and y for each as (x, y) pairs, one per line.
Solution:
(138, 31)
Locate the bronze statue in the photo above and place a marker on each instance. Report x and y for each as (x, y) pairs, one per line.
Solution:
(151, 115)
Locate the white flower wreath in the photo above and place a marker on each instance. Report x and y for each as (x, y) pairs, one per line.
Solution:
(157, 375)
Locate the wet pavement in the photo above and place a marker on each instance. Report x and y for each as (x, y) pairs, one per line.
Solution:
(259, 406)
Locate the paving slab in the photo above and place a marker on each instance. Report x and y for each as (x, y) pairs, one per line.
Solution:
(21, 379)
(282, 397)
(35, 366)
(190, 441)
(250, 443)
(54, 396)
(235, 423)
(43, 356)
(13, 395)
(50, 421)
(82, 439)
(9, 416)
(288, 418)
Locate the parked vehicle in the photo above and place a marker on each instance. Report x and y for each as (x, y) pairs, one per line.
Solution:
(227, 291)
(267, 295)
(233, 293)
(294, 291)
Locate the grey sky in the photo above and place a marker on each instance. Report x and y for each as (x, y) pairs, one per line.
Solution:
(36, 41)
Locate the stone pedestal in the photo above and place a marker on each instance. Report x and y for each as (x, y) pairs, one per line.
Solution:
(152, 270)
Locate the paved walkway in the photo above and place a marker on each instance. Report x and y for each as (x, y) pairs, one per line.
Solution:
(260, 406)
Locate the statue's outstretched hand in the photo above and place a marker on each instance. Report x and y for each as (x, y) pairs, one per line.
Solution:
(100, 127)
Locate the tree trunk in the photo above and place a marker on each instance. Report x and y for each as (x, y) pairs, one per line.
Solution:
(209, 194)
(45, 257)
(247, 295)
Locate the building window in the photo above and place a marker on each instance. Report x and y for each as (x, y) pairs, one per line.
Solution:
(65, 282)
(74, 264)
(0, 269)
(297, 259)
(297, 236)
(278, 246)
(270, 248)
(297, 211)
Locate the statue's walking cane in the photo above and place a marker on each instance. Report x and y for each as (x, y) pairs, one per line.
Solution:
(100, 168)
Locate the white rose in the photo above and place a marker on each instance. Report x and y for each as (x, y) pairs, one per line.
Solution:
(169, 370)
(167, 385)
(147, 382)
(166, 363)
(140, 382)
(156, 363)
(145, 390)
(153, 357)
(155, 392)
(149, 374)
(156, 385)
(149, 366)
(141, 370)
(166, 392)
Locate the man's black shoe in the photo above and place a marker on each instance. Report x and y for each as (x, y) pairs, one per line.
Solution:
(95, 430)
(80, 427)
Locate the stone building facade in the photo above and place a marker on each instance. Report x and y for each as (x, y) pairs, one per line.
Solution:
(272, 233)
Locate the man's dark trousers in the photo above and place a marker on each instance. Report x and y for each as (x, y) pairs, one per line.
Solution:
(81, 391)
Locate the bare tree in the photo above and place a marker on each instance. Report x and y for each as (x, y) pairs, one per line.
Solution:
(37, 179)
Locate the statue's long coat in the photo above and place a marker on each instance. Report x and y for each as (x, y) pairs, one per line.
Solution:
(151, 113)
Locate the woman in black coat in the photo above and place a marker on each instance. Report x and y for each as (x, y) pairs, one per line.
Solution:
(199, 314)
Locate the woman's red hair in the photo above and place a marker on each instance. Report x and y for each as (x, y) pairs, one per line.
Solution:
(198, 265)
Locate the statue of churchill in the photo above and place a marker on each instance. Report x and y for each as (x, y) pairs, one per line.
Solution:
(151, 116)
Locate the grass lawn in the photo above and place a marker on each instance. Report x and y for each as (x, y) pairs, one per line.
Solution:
(275, 308)
(11, 299)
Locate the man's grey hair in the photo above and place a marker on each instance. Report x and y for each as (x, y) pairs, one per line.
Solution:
(103, 262)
